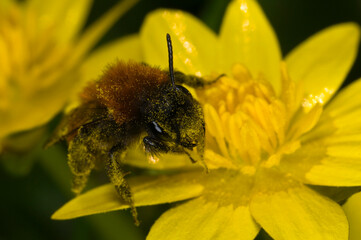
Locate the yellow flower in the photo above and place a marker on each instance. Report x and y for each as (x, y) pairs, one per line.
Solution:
(270, 134)
(42, 50)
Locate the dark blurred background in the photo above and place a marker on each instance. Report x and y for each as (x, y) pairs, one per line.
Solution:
(30, 195)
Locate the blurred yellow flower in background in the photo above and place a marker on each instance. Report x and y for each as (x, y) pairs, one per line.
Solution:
(270, 134)
(42, 49)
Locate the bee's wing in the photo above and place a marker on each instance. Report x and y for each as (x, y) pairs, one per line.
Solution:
(83, 115)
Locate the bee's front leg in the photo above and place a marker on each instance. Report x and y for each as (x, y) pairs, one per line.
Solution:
(116, 175)
(153, 146)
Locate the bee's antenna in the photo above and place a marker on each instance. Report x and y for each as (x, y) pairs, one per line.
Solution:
(170, 59)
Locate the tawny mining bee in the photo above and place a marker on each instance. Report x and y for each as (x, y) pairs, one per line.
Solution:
(128, 101)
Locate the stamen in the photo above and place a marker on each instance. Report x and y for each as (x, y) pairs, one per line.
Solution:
(215, 127)
(246, 119)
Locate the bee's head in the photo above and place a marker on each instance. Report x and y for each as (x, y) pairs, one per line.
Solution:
(174, 122)
(174, 119)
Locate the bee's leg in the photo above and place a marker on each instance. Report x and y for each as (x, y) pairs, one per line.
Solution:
(116, 176)
(153, 146)
(81, 162)
(193, 81)
(200, 151)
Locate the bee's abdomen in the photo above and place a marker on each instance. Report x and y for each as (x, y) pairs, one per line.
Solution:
(123, 86)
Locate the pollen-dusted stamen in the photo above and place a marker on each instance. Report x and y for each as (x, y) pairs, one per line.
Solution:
(246, 121)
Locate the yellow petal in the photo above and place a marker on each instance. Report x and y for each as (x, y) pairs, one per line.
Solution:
(200, 219)
(342, 128)
(124, 48)
(66, 17)
(247, 37)
(146, 191)
(38, 109)
(352, 210)
(220, 213)
(290, 210)
(323, 61)
(341, 119)
(72, 19)
(136, 156)
(304, 122)
(326, 164)
(346, 101)
(93, 33)
(331, 151)
(4, 4)
(194, 44)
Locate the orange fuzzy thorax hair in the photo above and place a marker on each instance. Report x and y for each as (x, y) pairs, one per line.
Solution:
(123, 86)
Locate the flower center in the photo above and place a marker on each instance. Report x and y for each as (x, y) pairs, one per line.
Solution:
(246, 122)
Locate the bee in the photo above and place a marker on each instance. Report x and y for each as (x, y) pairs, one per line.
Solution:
(130, 101)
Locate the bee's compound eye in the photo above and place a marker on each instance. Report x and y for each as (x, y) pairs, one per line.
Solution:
(156, 128)
(184, 90)
(157, 131)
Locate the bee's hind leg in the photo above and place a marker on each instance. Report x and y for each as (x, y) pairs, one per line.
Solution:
(81, 162)
(116, 175)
